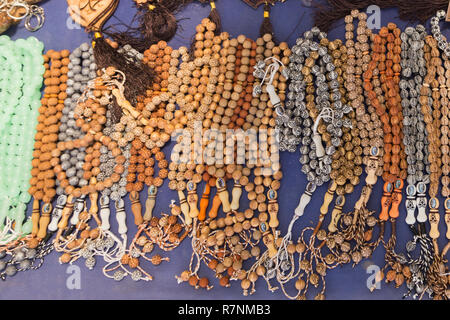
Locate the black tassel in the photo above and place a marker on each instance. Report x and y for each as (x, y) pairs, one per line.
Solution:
(326, 15)
(213, 17)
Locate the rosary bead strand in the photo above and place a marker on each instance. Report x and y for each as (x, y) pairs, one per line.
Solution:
(445, 145)
(81, 69)
(207, 60)
(430, 98)
(238, 71)
(342, 164)
(92, 117)
(441, 42)
(149, 139)
(431, 103)
(413, 71)
(352, 225)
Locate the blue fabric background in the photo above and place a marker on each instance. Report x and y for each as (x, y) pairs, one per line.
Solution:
(290, 20)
